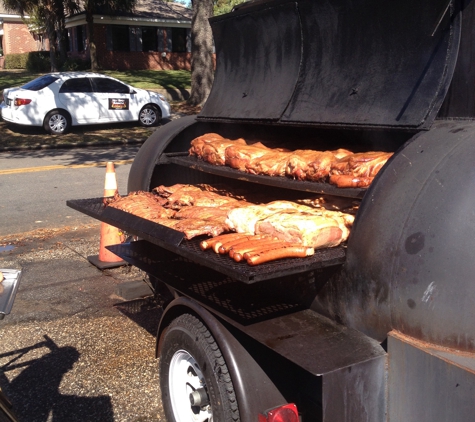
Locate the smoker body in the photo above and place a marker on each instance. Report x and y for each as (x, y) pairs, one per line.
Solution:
(381, 329)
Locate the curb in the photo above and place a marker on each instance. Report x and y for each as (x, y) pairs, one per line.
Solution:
(69, 146)
(173, 94)
(85, 144)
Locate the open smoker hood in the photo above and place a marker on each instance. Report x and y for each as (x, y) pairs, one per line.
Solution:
(366, 63)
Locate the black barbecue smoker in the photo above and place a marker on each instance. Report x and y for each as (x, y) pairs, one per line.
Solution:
(381, 329)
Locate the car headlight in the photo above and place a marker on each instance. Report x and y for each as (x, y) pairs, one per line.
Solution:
(162, 97)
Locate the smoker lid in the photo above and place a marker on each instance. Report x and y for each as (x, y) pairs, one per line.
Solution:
(366, 63)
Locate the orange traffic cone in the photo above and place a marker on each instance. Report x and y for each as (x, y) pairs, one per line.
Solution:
(110, 235)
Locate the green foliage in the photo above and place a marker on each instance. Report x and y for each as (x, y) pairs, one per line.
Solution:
(153, 79)
(35, 61)
(75, 64)
(225, 6)
(16, 61)
(38, 61)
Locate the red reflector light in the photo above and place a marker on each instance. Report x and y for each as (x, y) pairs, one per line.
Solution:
(22, 101)
(285, 413)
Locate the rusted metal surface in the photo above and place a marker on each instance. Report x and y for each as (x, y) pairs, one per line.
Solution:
(428, 383)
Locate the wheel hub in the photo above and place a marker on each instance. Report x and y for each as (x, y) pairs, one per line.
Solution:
(187, 388)
(148, 117)
(57, 123)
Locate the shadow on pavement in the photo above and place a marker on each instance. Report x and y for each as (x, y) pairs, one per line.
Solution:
(145, 312)
(35, 395)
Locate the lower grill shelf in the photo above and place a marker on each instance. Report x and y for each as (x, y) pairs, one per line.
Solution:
(174, 241)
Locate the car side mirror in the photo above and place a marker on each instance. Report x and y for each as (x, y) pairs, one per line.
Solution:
(133, 91)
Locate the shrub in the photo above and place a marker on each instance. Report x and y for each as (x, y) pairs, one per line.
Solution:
(35, 61)
(38, 61)
(73, 64)
(15, 61)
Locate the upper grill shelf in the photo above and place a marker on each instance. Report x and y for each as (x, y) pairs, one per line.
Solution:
(183, 159)
(172, 240)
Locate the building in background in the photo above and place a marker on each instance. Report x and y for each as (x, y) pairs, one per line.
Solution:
(155, 36)
(17, 37)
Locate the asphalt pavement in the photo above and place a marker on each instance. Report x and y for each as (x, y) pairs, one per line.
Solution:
(72, 349)
(79, 342)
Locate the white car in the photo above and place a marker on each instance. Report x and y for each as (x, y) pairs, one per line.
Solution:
(58, 101)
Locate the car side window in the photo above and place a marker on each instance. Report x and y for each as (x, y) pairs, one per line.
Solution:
(76, 85)
(40, 83)
(105, 85)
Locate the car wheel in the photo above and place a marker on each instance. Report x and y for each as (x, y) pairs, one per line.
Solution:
(57, 122)
(150, 115)
(194, 379)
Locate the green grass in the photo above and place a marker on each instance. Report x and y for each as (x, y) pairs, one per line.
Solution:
(153, 79)
(146, 79)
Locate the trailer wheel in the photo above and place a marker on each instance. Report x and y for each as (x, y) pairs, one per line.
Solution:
(194, 379)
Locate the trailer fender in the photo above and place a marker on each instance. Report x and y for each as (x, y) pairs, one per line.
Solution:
(255, 392)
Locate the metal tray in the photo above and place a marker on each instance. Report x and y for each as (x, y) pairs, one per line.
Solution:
(10, 286)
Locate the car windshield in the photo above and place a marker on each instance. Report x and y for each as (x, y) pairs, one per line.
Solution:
(40, 83)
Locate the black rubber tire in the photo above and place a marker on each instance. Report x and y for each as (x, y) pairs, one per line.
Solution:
(57, 122)
(187, 333)
(150, 115)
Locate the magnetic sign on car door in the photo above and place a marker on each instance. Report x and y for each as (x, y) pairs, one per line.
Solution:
(118, 104)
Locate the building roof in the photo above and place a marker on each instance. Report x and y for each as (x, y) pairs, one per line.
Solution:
(144, 9)
(166, 10)
(4, 11)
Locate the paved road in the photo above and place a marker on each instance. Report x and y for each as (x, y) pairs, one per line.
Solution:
(71, 349)
(34, 185)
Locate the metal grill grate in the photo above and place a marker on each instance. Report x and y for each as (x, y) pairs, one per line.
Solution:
(172, 240)
(269, 298)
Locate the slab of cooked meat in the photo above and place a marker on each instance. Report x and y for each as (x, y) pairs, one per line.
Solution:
(292, 222)
(271, 163)
(214, 152)
(211, 147)
(198, 143)
(192, 227)
(178, 196)
(239, 157)
(166, 191)
(340, 167)
(358, 170)
(364, 164)
(307, 229)
(244, 219)
(341, 153)
(309, 164)
(142, 204)
(203, 213)
(195, 212)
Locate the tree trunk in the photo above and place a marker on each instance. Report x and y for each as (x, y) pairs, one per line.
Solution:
(63, 45)
(202, 64)
(52, 48)
(92, 41)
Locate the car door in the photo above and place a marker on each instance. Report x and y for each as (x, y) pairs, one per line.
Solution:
(76, 95)
(115, 98)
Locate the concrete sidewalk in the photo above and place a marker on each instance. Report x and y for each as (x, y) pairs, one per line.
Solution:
(72, 349)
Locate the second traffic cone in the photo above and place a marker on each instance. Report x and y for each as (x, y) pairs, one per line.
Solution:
(110, 235)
